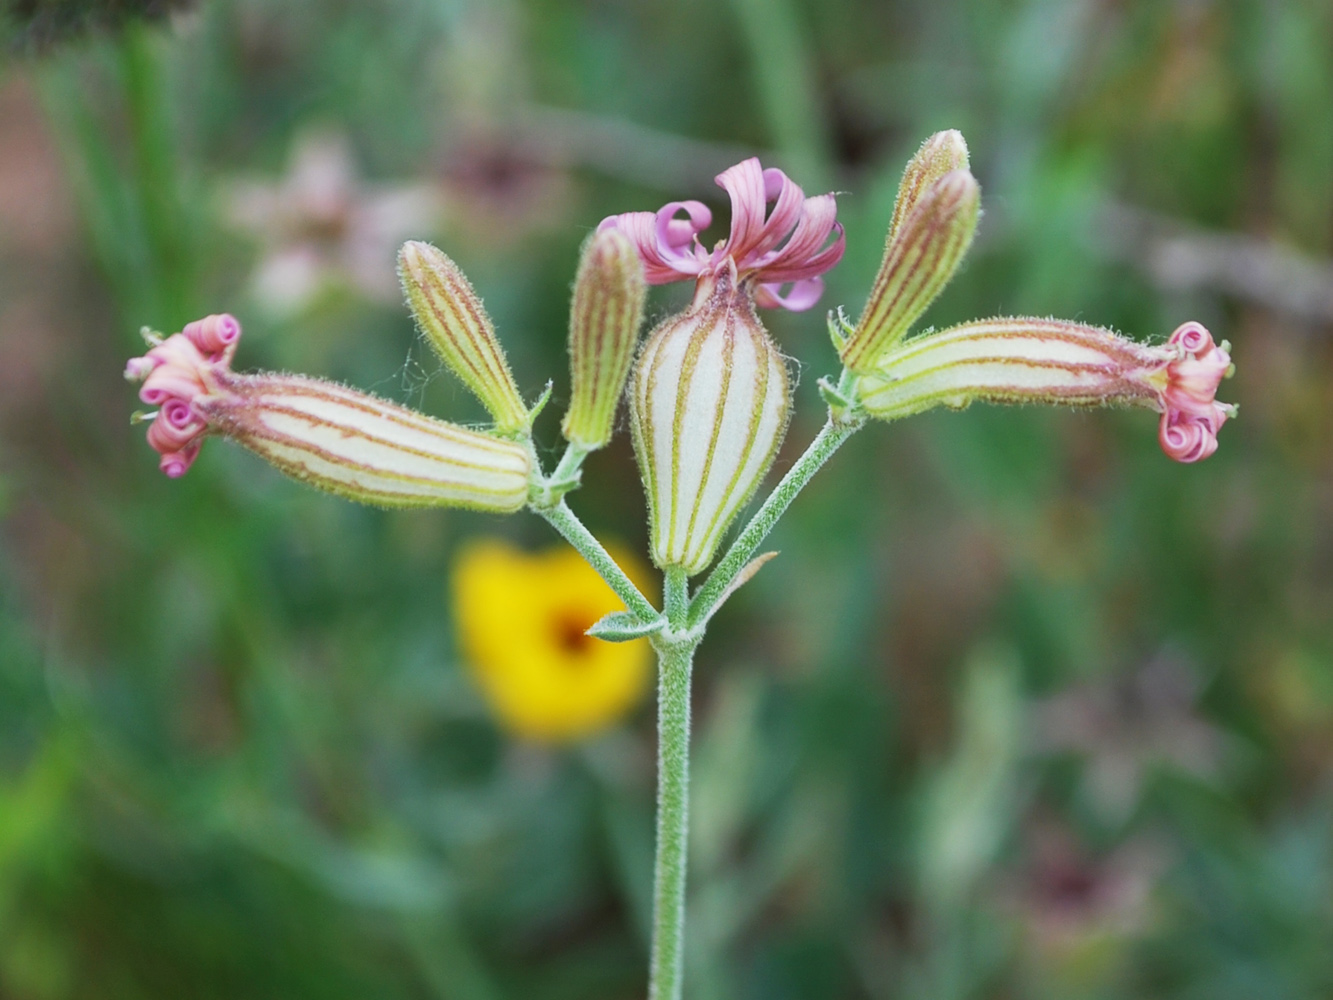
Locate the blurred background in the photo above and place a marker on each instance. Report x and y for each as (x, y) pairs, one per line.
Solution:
(1023, 710)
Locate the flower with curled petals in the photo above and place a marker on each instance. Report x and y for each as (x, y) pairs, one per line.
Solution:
(350, 443)
(173, 375)
(769, 249)
(1025, 360)
(710, 396)
(1191, 415)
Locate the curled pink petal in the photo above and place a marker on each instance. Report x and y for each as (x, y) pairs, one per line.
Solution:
(674, 232)
(751, 189)
(805, 254)
(176, 463)
(214, 334)
(802, 295)
(744, 184)
(766, 248)
(659, 238)
(166, 435)
(1188, 438)
(170, 381)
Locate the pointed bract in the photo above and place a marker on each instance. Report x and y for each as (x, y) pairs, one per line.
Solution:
(919, 260)
(604, 321)
(454, 321)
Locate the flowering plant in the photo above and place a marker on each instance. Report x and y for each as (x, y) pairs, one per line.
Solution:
(709, 399)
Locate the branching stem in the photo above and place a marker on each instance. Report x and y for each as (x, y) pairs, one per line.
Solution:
(742, 550)
(573, 530)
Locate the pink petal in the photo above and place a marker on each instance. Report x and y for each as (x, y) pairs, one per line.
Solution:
(745, 185)
(176, 463)
(675, 233)
(655, 235)
(1187, 438)
(170, 382)
(803, 294)
(789, 201)
(805, 255)
(213, 334)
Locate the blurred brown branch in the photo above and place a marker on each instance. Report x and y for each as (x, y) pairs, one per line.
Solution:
(1177, 256)
(623, 149)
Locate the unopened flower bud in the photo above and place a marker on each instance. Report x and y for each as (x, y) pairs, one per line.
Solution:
(454, 321)
(1022, 360)
(942, 153)
(709, 405)
(603, 327)
(346, 442)
(920, 258)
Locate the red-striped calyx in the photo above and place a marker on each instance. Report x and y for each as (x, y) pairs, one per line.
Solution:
(604, 320)
(934, 221)
(709, 404)
(346, 442)
(453, 319)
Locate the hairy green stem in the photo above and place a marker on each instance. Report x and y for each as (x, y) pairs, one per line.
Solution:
(573, 530)
(570, 466)
(675, 660)
(742, 550)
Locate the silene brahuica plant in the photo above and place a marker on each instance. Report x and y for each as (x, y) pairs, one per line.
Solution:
(709, 396)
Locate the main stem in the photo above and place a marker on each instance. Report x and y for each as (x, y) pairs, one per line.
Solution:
(675, 660)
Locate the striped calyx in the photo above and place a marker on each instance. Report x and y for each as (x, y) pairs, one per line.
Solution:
(709, 405)
(454, 321)
(920, 258)
(604, 323)
(362, 447)
(1013, 360)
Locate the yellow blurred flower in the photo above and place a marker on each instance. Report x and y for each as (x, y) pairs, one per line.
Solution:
(521, 620)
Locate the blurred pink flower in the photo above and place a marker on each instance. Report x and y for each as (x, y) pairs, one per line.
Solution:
(767, 250)
(321, 227)
(1127, 726)
(1069, 898)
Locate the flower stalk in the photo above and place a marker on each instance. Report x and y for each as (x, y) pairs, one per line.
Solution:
(675, 653)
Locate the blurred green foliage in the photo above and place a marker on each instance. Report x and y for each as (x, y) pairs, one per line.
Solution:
(1024, 710)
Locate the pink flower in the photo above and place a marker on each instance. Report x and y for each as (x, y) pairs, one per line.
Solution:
(1017, 359)
(1191, 415)
(787, 246)
(174, 373)
(346, 442)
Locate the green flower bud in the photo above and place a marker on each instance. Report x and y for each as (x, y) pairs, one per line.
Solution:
(920, 258)
(604, 323)
(454, 321)
(942, 153)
